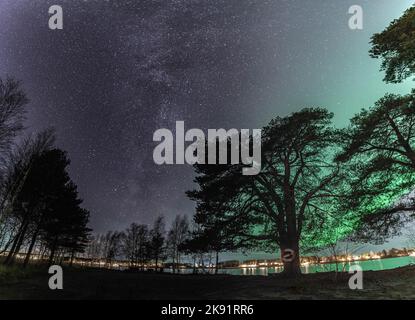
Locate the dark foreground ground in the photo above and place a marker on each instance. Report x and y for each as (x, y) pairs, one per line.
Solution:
(105, 284)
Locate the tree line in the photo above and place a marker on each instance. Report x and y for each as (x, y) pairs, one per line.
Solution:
(150, 248)
(40, 210)
(154, 248)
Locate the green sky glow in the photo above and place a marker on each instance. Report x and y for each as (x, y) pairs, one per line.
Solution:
(326, 64)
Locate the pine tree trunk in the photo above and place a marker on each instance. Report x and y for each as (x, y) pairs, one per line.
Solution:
(292, 266)
(16, 246)
(32, 244)
(216, 262)
(52, 253)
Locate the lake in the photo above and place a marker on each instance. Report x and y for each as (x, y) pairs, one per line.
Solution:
(366, 265)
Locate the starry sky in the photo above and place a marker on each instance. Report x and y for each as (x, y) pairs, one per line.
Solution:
(119, 70)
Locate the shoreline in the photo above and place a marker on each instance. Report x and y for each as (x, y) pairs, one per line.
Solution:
(105, 284)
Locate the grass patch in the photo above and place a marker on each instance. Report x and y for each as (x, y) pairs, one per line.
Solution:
(11, 274)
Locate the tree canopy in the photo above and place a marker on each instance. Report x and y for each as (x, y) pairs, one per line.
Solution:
(396, 47)
(379, 143)
(293, 198)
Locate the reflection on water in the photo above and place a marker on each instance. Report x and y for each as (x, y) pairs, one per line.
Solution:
(262, 271)
(375, 265)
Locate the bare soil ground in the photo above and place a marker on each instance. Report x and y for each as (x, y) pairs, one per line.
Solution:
(106, 284)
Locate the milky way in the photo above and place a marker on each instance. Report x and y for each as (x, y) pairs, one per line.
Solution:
(119, 70)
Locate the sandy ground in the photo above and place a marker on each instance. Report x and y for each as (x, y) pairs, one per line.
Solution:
(105, 284)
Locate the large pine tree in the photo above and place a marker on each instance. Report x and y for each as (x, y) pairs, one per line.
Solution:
(295, 195)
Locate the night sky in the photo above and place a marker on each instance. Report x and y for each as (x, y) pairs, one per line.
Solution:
(119, 70)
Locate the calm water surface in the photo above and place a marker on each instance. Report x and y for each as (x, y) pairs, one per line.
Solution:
(375, 265)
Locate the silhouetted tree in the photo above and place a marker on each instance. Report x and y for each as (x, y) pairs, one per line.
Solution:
(46, 205)
(396, 47)
(379, 146)
(195, 247)
(94, 249)
(77, 234)
(52, 200)
(42, 192)
(177, 235)
(294, 194)
(157, 241)
(23, 169)
(12, 113)
(38, 202)
(112, 246)
(136, 245)
(12, 110)
(209, 236)
(65, 228)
